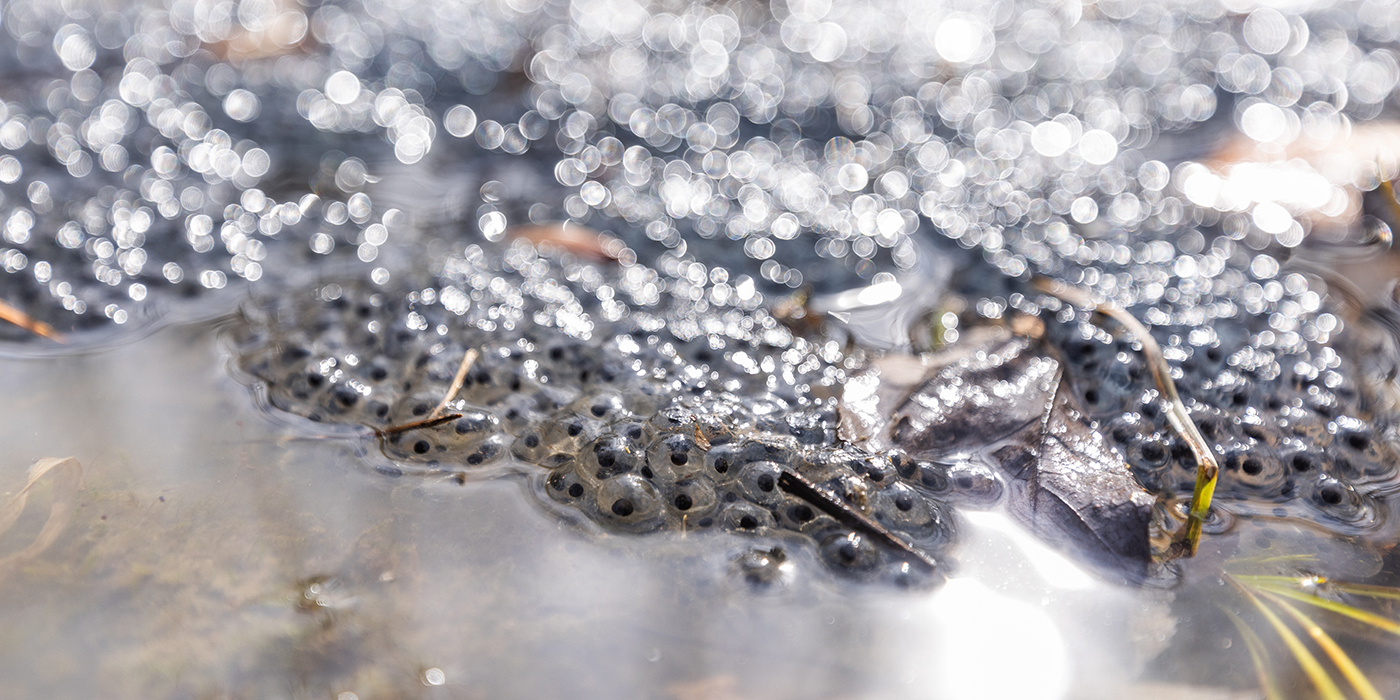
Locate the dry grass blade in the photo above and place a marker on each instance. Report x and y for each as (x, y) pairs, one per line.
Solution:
(1207, 468)
(1383, 623)
(1326, 688)
(23, 320)
(458, 380)
(1324, 641)
(68, 482)
(1258, 654)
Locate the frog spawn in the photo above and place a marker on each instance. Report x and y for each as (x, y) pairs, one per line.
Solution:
(1294, 437)
(639, 428)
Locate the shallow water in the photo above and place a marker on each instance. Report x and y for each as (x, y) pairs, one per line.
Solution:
(212, 556)
(188, 572)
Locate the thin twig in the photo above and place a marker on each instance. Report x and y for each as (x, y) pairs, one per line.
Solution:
(457, 380)
(1207, 468)
(797, 485)
(25, 321)
(425, 423)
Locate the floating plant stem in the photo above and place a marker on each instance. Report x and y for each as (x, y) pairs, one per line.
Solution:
(795, 484)
(1207, 468)
(1324, 641)
(1258, 654)
(23, 320)
(1321, 680)
(458, 380)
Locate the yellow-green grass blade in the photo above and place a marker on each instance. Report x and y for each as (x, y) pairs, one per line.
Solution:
(1258, 654)
(1383, 623)
(1324, 641)
(1362, 589)
(1326, 687)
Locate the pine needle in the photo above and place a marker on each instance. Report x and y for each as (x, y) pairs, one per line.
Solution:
(1258, 654)
(1370, 618)
(1326, 688)
(25, 321)
(1362, 589)
(1324, 641)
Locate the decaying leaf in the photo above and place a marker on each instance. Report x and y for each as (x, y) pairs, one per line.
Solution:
(68, 480)
(1007, 391)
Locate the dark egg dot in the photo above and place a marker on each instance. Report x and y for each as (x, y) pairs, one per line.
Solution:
(532, 440)
(421, 447)
(904, 502)
(1303, 462)
(1331, 495)
(576, 490)
(646, 473)
(679, 458)
(474, 459)
(420, 409)
(1358, 441)
(599, 410)
(622, 507)
(1253, 467)
(574, 429)
(314, 380)
(635, 432)
(556, 354)
(378, 373)
(721, 465)
(683, 502)
(606, 459)
(848, 553)
(765, 482)
(802, 513)
(1091, 397)
(748, 522)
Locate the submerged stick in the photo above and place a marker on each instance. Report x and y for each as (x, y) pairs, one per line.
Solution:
(795, 484)
(1207, 468)
(458, 380)
(35, 326)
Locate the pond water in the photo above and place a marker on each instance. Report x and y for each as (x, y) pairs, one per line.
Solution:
(698, 350)
(211, 556)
